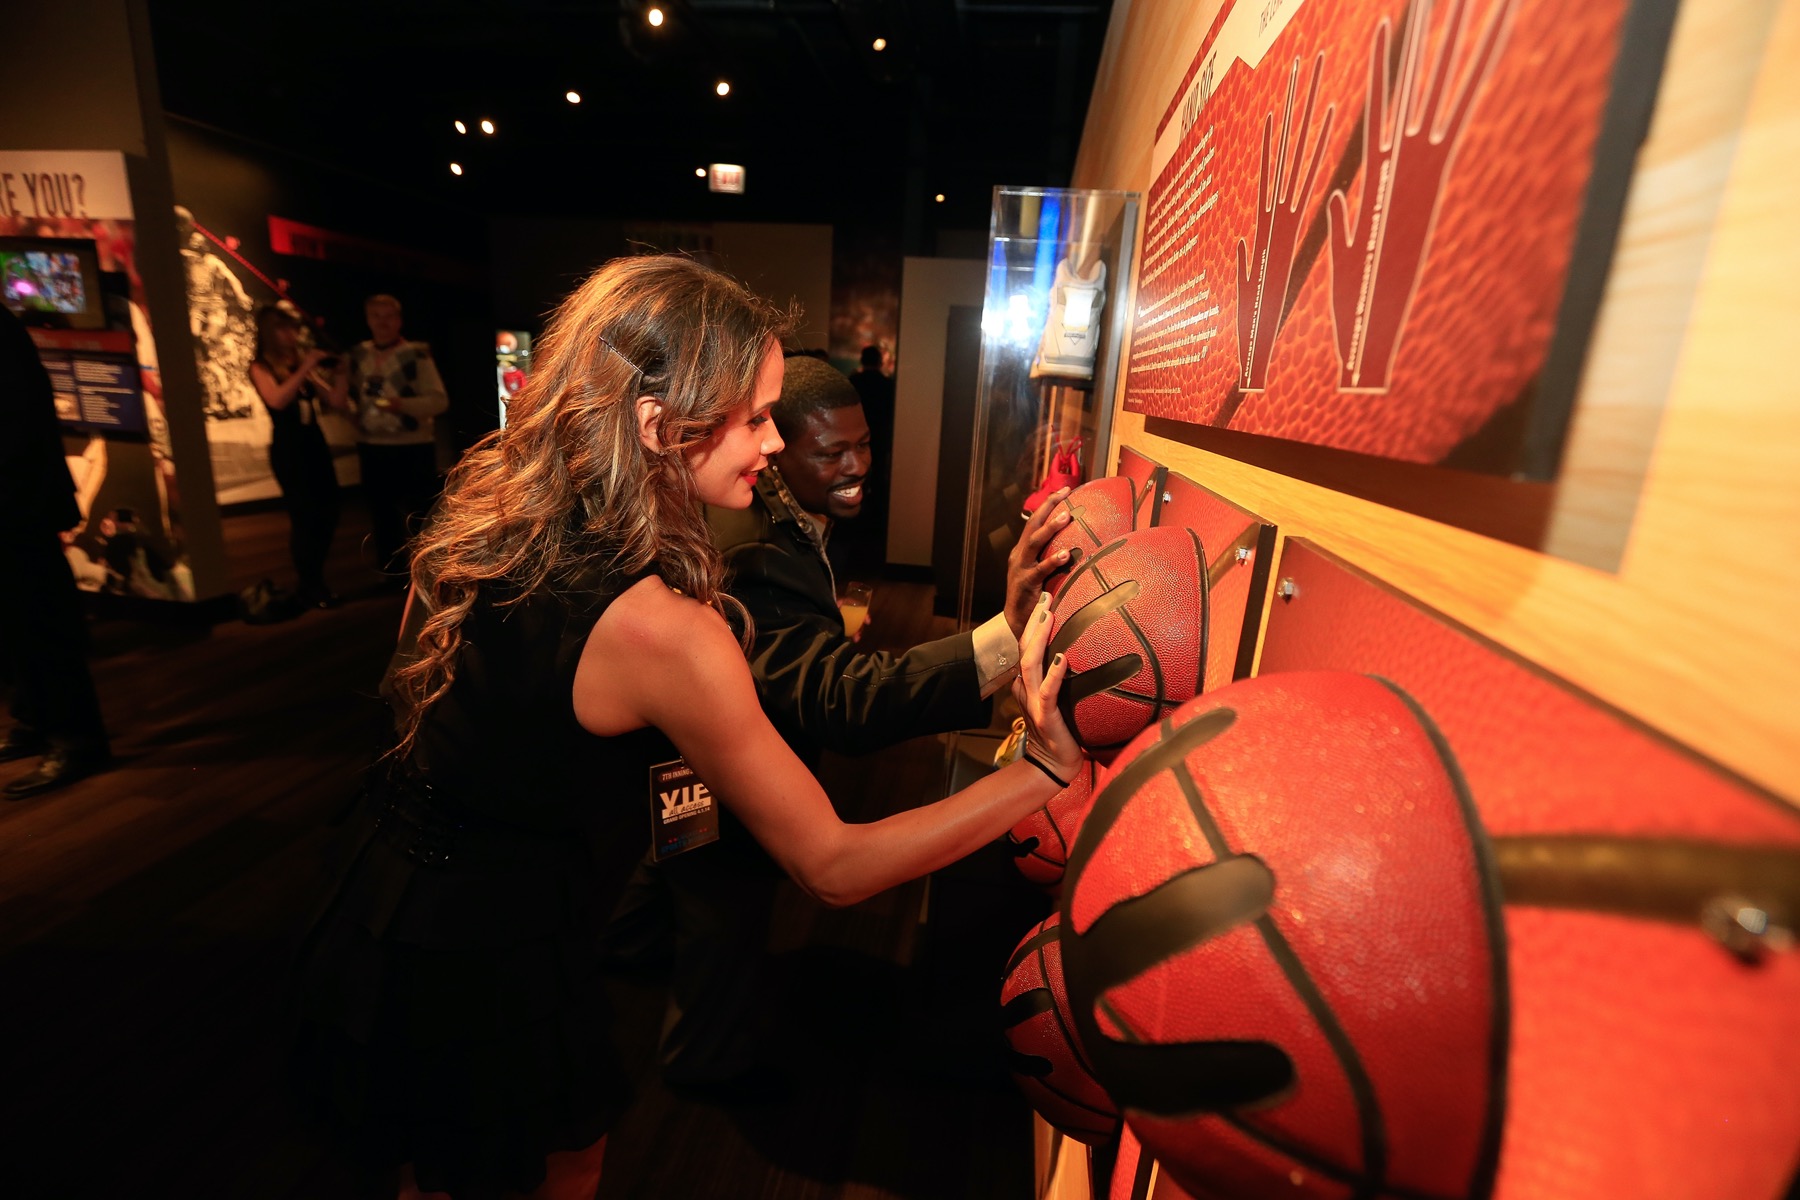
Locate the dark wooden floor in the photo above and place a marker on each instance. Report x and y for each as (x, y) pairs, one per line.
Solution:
(145, 917)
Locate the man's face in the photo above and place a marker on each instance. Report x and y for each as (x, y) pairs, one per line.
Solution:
(384, 323)
(827, 462)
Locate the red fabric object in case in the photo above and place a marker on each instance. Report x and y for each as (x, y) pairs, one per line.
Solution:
(1284, 951)
(1040, 843)
(1133, 621)
(1044, 1059)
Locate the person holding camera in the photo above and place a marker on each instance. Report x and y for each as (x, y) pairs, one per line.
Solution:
(398, 395)
(295, 387)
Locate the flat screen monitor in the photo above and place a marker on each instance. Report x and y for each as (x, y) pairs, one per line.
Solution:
(52, 281)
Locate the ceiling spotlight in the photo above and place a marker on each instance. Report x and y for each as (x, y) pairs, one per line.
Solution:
(724, 89)
(456, 168)
(699, 172)
(573, 97)
(655, 17)
(880, 45)
(487, 126)
(460, 127)
(940, 197)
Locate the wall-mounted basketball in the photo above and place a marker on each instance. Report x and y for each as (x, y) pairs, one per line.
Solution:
(1283, 947)
(1099, 512)
(1040, 843)
(1133, 621)
(1044, 1058)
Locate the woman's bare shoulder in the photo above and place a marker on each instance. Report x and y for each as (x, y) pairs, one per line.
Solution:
(649, 650)
(655, 616)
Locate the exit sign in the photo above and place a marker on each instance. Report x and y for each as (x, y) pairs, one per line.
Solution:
(725, 177)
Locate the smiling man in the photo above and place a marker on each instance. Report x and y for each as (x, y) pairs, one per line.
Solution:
(821, 691)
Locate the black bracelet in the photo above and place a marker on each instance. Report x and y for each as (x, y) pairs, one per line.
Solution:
(1033, 759)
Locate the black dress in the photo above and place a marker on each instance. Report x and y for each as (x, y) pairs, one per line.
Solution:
(300, 458)
(451, 1007)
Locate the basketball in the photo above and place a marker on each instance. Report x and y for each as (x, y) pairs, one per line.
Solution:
(1042, 1055)
(1040, 843)
(1284, 949)
(1132, 619)
(1099, 512)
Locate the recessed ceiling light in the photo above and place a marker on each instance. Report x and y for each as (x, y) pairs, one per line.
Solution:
(655, 17)
(572, 96)
(880, 45)
(699, 172)
(724, 89)
(456, 168)
(940, 197)
(487, 126)
(460, 127)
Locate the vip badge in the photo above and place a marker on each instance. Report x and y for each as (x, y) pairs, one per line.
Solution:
(683, 814)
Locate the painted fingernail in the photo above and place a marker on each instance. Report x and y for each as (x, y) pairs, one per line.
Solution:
(1056, 661)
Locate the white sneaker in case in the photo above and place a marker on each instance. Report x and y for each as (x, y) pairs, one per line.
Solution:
(1073, 330)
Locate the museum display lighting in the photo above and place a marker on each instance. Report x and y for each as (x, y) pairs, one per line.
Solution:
(655, 17)
(699, 172)
(880, 45)
(724, 89)
(487, 126)
(456, 168)
(572, 96)
(460, 127)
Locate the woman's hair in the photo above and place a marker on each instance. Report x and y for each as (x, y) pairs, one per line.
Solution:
(267, 317)
(568, 491)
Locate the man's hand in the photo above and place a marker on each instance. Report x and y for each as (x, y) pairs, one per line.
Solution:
(1025, 575)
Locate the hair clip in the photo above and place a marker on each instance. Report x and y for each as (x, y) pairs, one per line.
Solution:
(622, 358)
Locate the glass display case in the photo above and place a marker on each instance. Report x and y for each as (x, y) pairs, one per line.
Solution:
(1052, 327)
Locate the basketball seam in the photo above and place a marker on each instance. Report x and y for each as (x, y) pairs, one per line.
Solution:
(1205, 610)
(1068, 1034)
(1309, 1159)
(1487, 1160)
(1150, 656)
(1362, 1088)
(1111, 1117)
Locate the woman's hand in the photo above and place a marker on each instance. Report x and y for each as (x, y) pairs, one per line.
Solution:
(1048, 742)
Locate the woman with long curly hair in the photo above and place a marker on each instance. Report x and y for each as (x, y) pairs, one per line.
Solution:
(567, 632)
(295, 390)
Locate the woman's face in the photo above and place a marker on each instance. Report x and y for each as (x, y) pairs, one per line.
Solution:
(726, 465)
(284, 336)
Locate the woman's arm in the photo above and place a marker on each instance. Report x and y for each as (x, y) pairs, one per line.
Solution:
(657, 658)
(278, 395)
(336, 389)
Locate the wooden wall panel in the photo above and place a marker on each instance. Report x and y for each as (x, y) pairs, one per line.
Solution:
(1697, 632)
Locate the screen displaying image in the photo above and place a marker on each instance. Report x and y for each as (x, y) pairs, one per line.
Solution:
(46, 281)
(55, 280)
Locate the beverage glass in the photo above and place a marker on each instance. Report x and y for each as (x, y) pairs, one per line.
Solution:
(853, 604)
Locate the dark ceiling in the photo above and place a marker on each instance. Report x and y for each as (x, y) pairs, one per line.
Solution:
(964, 97)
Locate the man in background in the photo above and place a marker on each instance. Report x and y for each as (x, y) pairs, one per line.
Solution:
(43, 636)
(398, 395)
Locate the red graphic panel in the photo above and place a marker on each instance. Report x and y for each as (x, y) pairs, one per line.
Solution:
(1645, 1059)
(1364, 215)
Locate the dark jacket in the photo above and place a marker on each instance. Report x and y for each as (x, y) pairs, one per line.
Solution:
(37, 496)
(819, 689)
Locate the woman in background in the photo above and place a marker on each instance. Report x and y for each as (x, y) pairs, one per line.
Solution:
(566, 635)
(295, 390)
